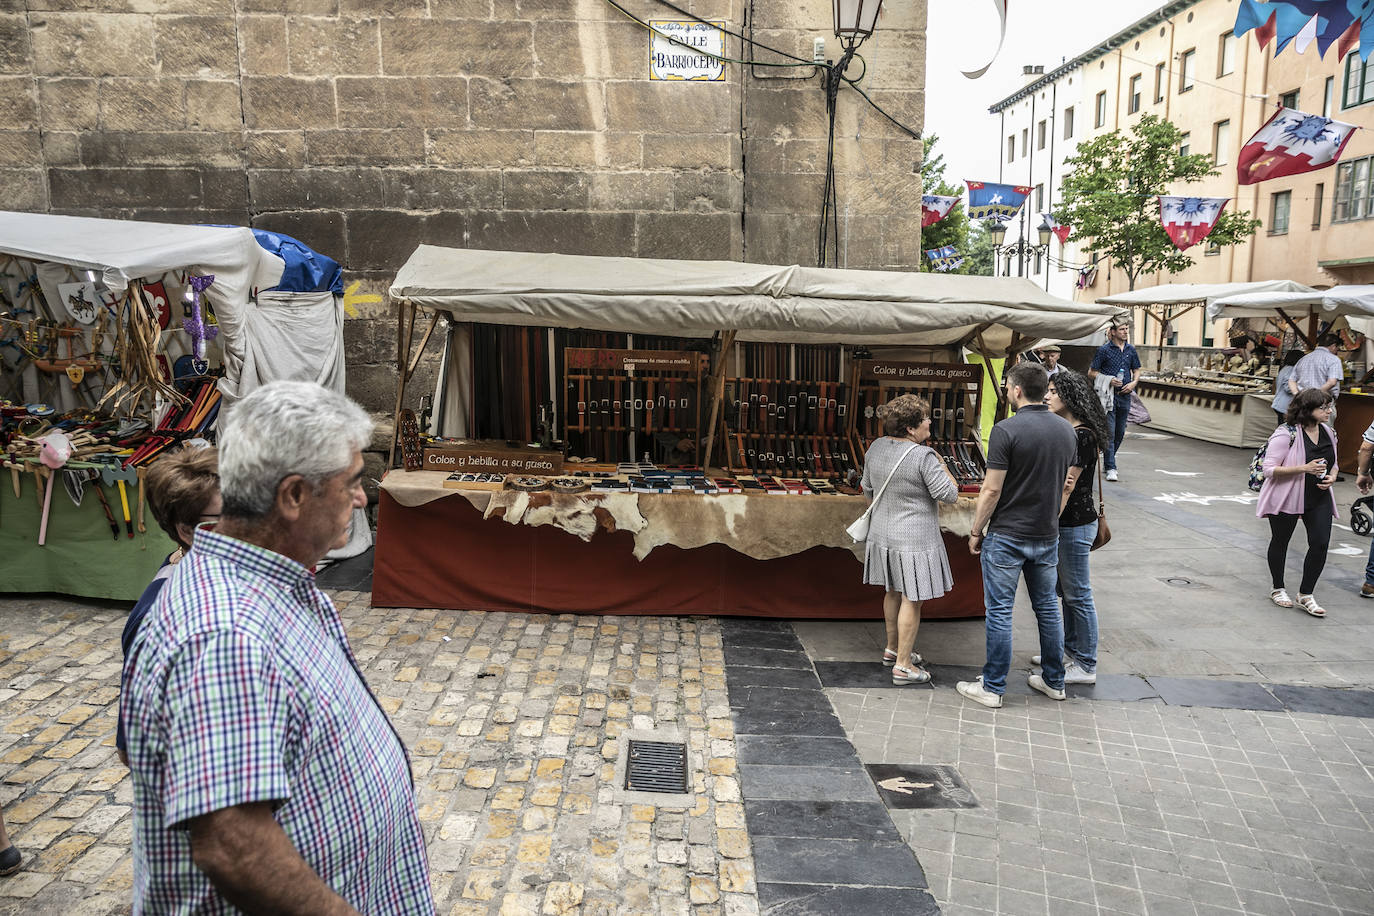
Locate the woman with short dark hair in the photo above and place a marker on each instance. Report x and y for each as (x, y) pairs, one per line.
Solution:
(905, 552)
(1299, 469)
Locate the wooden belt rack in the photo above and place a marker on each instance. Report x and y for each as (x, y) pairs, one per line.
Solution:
(615, 402)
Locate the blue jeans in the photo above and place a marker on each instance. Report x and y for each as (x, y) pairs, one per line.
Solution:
(1116, 425)
(1080, 616)
(1004, 559)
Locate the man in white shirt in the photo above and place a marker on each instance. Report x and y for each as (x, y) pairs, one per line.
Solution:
(1321, 368)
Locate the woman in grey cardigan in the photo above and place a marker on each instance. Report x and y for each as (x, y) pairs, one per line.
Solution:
(905, 552)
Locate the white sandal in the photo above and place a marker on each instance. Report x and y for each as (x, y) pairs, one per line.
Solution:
(1280, 597)
(1309, 604)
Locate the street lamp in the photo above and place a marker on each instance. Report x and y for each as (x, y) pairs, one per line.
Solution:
(1021, 249)
(855, 20)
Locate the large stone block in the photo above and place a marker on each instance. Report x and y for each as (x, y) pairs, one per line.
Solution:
(15, 52)
(316, 189)
(370, 343)
(283, 102)
(632, 190)
(402, 101)
(93, 44)
(385, 9)
(547, 190)
(142, 104)
(569, 232)
(262, 45)
(702, 192)
(197, 45)
(20, 147)
(481, 148)
(691, 151)
(591, 50)
(23, 189)
(18, 102)
(588, 149)
(456, 9)
(274, 149)
(382, 239)
(774, 192)
(694, 236)
(570, 10)
(108, 188)
(438, 47)
(69, 104)
(787, 112)
(291, 7)
(60, 147)
(781, 238)
(692, 108)
(441, 189)
(365, 147)
(225, 189)
(775, 14)
(896, 60)
(333, 47)
(213, 105)
(155, 7)
(374, 386)
(115, 149)
(906, 106)
(536, 103)
(322, 230)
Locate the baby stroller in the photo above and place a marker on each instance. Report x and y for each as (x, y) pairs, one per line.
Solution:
(1362, 515)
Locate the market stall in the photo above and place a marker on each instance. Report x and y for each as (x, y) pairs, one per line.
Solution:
(674, 400)
(1354, 304)
(119, 340)
(1216, 399)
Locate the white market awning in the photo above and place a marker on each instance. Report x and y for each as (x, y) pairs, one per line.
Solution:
(761, 302)
(1353, 300)
(1199, 293)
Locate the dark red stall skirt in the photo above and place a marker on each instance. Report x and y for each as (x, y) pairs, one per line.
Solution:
(445, 555)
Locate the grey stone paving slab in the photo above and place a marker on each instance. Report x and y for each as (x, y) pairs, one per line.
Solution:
(785, 722)
(774, 781)
(1325, 700)
(778, 899)
(766, 658)
(859, 820)
(780, 698)
(817, 752)
(812, 860)
(753, 676)
(1215, 694)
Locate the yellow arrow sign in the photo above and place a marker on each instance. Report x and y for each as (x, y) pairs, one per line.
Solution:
(353, 298)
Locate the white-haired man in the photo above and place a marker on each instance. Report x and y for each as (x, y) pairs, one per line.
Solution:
(266, 776)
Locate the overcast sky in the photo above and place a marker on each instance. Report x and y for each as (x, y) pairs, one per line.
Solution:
(961, 35)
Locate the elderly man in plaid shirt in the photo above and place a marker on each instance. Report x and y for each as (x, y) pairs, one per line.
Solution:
(266, 776)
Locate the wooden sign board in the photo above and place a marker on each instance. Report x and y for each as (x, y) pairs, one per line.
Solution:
(484, 458)
(595, 358)
(900, 373)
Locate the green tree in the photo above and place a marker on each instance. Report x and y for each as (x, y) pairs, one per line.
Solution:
(1109, 198)
(954, 228)
(979, 257)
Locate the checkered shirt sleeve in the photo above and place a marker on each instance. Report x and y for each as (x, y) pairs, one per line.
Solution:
(228, 733)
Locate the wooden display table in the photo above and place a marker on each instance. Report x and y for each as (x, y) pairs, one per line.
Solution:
(443, 553)
(1354, 413)
(1238, 418)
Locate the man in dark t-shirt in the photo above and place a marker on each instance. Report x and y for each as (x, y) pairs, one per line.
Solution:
(1029, 455)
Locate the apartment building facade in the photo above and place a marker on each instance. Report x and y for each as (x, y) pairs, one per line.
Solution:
(1183, 64)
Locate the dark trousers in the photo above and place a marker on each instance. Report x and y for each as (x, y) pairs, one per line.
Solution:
(1116, 425)
(1317, 520)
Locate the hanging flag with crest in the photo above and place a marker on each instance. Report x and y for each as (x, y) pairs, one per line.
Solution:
(1348, 24)
(1291, 143)
(995, 201)
(935, 207)
(944, 259)
(1061, 230)
(1188, 220)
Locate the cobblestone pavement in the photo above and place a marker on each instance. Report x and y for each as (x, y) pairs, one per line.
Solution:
(514, 723)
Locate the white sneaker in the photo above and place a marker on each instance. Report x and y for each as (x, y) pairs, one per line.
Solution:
(1074, 673)
(975, 691)
(1038, 683)
(1037, 659)
(1111, 475)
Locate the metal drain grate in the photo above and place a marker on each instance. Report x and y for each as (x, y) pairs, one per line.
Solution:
(656, 766)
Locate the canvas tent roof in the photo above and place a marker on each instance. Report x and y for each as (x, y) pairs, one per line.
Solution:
(1327, 303)
(761, 302)
(1184, 293)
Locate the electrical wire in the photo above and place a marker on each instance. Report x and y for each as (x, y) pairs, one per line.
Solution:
(695, 18)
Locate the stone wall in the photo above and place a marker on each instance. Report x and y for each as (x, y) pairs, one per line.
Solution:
(364, 127)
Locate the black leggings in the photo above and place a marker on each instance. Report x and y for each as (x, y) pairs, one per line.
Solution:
(1317, 521)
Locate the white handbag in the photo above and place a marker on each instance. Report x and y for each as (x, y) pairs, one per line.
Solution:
(858, 530)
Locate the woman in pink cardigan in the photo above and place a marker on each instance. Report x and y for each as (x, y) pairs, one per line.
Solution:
(1299, 468)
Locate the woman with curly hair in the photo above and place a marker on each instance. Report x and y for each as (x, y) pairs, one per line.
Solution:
(1072, 396)
(905, 552)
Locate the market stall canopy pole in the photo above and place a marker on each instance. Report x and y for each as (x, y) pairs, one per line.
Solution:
(760, 302)
(727, 341)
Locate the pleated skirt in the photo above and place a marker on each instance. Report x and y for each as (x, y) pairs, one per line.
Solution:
(920, 575)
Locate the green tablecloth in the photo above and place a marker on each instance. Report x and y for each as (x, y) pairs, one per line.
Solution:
(80, 557)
